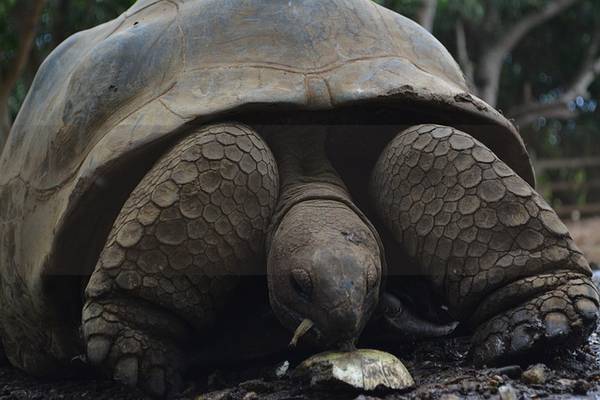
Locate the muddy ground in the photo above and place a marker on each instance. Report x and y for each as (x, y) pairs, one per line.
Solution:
(440, 368)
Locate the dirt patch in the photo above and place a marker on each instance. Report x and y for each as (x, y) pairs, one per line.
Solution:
(586, 234)
(441, 369)
(14, 384)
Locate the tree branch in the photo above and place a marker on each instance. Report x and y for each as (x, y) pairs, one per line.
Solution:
(515, 33)
(491, 61)
(559, 108)
(462, 53)
(529, 113)
(426, 14)
(589, 69)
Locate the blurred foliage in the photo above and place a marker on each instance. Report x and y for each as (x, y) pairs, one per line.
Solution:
(545, 62)
(60, 19)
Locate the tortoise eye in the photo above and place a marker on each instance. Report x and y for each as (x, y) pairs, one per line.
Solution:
(301, 282)
(372, 277)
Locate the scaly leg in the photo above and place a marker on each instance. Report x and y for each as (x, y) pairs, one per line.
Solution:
(491, 246)
(189, 230)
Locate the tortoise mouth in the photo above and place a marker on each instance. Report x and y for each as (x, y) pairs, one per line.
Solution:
(292, 321)
(318, 336)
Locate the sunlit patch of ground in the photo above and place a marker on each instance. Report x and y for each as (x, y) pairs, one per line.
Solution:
(586, 233)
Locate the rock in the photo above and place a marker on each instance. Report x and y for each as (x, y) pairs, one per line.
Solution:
(218, 395)
(581, 387)
(507, 392)
(282, 369)
(565, 382)
(512, 371)
(256, 385)
(536, 374)
(250, 396)
(448, 396)
(496, 381)
(361, 369)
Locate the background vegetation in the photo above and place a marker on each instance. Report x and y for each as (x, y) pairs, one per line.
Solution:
(536, 60)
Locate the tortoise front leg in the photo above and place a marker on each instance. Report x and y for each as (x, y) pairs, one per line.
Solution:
(190, 229)
(491, 246)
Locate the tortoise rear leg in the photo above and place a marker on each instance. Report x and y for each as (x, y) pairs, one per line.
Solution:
(491, 246)
(189, 230)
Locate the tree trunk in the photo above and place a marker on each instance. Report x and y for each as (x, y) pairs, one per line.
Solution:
(462, 53)
(490, 63)
(488, 77)
(426, 15)
(29, 23)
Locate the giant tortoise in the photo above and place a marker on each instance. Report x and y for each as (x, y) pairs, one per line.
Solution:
(164, 158)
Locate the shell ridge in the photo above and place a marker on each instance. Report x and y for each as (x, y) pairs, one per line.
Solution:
(309, 71)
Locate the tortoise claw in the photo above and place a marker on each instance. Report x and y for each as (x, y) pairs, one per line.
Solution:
(97, 349)
(560, 317)
(121, 346)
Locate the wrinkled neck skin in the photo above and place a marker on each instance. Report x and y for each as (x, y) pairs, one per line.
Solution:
(303, 166)
(324, 257)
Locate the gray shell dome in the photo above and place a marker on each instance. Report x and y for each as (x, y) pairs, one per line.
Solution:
(109, 94)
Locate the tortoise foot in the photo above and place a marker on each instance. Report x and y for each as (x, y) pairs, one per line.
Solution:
(561, 317)
(491, 247)
(187, 235)
(133, 343)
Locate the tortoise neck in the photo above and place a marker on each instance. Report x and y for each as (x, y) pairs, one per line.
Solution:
(305, 172)
(302, 160)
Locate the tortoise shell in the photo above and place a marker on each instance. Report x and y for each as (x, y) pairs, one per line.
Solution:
(106, 101)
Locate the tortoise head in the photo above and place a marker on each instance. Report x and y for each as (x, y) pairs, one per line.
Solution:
(324, 272)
